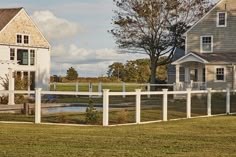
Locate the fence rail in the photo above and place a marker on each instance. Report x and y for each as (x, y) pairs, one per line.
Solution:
(106, 94)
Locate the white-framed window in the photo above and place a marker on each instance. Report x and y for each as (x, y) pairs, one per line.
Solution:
(206, 44)
(221, 19)
(19, 38)
(12, 54)
(22, 39)
(32, 57)
(220, 74)
(26, 39)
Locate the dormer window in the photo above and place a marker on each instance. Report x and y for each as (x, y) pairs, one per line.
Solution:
(221, 19)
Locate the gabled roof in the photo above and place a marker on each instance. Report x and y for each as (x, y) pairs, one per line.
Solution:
(6, 15)
(203, 17)
(190, 57)
(226, 58)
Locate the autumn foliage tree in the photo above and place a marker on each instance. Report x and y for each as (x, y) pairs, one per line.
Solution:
(154, 27)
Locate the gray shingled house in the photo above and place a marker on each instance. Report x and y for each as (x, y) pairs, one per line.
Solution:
(210, 53)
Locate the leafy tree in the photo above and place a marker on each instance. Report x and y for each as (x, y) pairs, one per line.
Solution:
(154, 27)
(116, 70)
(131, 72)
(136, 71)
(71, 74)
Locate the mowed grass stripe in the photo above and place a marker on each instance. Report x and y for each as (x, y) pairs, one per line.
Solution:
(213, 136)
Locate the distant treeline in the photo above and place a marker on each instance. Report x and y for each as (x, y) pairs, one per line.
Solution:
(136, 71)
(56, 78)
(132, 71)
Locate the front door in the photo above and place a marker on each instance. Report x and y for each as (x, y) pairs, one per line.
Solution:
(194, 75)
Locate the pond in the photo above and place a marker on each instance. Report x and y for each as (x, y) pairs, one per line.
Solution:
(67, 109)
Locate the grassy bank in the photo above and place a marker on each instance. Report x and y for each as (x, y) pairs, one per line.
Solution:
(196, 137)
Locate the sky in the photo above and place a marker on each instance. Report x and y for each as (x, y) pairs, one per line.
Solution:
(77, 32)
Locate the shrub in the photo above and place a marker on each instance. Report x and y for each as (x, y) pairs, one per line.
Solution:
(91, 113)
(62, 118)
(122, 116)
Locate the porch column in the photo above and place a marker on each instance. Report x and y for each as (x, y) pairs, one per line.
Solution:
(234, 77)
(186, 74)
(22, 75)
(177, 73)
(29, 82)
(177, 76)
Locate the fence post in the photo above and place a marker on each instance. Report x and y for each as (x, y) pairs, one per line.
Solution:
(105, 107)
(189, 102)
(165, 103)
(138, 105)
(77, 86)
(123, 86)
(38, 105)
(228, 101)
(54, 86)
(148, 89)
(209, 101)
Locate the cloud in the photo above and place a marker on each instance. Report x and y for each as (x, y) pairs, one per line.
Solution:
(88, 62)
(55, 28)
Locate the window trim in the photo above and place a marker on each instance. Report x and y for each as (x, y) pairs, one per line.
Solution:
(201, 44)
(220, 67)
(30, 58)
(23, 39)
(218, 20)
(13, 51)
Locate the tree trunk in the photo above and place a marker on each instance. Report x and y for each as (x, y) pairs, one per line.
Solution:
(153, 68)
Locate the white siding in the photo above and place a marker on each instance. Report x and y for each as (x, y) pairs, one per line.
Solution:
(43, 68)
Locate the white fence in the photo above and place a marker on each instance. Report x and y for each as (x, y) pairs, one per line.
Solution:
(137, 93)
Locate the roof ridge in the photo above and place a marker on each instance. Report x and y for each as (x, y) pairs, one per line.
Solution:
(11, 8)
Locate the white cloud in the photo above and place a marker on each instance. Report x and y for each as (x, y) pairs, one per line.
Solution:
(54, 27)
(88, 62)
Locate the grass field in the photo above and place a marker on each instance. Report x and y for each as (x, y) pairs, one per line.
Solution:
(151, 110)
(84, 87)
(208, 137)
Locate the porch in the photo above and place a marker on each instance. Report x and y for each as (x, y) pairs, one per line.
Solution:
(190, 72)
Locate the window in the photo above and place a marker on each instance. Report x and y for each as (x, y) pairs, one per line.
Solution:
(221, 19)
(22, 39)
(26, 39)
(12, 54)
(22, 56)
(19, 38)
(207, 44)
(32, 57)
(220, 74)
(204, 75)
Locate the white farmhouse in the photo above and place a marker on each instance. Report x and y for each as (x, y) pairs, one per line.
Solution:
(23, 48)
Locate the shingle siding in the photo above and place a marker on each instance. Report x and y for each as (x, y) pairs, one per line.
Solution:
(24, 25)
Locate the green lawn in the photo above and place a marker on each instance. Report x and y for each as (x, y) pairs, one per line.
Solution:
(151, 110)
(84, 87)
(208, 137)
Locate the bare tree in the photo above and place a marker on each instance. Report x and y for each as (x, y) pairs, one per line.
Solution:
(154, 27)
